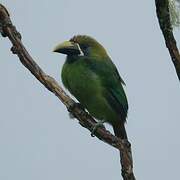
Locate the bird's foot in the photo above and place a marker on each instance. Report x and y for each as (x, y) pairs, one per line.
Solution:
(71, 116)
(80, 106)
(75, 105)
(98, 124)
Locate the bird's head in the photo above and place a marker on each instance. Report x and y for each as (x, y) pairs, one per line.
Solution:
(81, 45)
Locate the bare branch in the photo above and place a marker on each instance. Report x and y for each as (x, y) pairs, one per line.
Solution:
(9, 30)
(162, 10)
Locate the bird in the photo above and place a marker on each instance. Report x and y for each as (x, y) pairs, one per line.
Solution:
(92, 78)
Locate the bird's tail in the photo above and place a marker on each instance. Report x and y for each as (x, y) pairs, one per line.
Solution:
(119, 130)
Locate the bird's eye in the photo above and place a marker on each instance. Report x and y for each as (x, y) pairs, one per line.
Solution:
(84, 48)
(80, 50)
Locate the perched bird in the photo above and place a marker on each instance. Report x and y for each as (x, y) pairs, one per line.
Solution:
(90, 75)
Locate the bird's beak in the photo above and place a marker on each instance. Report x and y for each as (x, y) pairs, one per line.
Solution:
(68, 48)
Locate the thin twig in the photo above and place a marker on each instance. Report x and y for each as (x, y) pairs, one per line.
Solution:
(9, 30)
(162, 10)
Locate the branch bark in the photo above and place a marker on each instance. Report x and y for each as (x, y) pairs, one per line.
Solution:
(7, 29)
(163, 14)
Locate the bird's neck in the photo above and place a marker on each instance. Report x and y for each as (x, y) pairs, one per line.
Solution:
(72, 58)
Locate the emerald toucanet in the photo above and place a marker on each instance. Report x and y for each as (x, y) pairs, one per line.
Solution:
(90, 75)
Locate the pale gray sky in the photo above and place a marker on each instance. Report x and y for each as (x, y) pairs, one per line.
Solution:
(37, 138)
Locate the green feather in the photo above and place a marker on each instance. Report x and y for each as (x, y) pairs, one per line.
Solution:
(97, 85)
(95, 82)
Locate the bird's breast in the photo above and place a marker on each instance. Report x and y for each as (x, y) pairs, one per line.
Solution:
(80, 80)
(86, 86)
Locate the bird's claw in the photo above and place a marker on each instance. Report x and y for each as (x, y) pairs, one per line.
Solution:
(14, 49)
(75, 105)
(98, 124)
(71, 116)
(79, 106)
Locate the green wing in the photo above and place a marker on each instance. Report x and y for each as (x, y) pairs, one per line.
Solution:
(112, 83)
